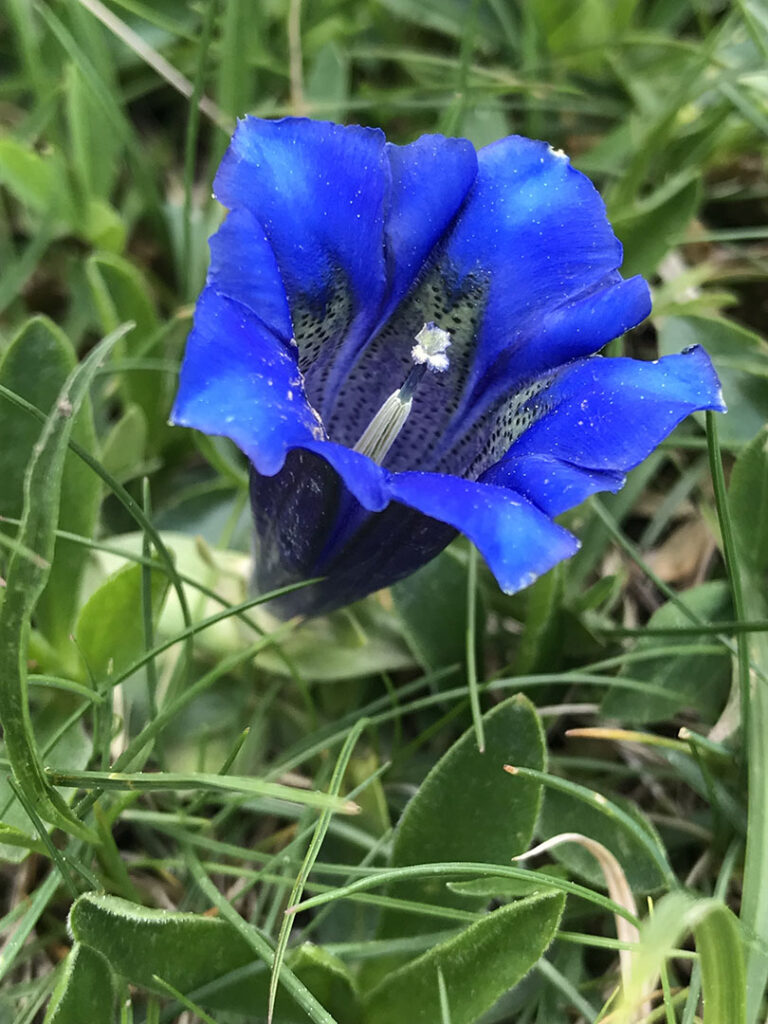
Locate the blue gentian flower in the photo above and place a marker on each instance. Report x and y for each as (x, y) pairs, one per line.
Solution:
(402, 340)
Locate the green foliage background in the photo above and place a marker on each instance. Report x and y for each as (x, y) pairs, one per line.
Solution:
(179, 768)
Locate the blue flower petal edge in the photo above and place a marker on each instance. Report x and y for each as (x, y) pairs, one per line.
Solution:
(403, 339)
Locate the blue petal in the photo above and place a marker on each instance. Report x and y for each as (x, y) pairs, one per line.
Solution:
(308, 525)
(243, 266)
(430, 180)
(364, 479)
(554, 486)
(603, 417)
(535, 231)
(239, 381)
(517, 540)
(319, 192)
(576, 327)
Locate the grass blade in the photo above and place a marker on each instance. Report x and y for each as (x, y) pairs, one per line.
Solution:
(25, 582)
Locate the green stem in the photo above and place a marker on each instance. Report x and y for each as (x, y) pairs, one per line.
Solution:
(474, 692)
(752, 661)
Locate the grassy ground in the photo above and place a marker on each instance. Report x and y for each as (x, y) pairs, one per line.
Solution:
(184, 767)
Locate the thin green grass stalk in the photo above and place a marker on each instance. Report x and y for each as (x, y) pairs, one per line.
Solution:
(445, 1009)
(754, 714)
(126, 1007)
(190, 144)
(34, 1006)
(606, 942)
(66, 686)
(153, 1006)
(311, 856)
(42, 831)
(152, 782)
(35, 907)
(389, 876)
(146, 609)
(259, 944)
(383, 844)
(471, 649)
(454, 915)
(665, 589)
(155, 16)
(724, 879)
(722, 626)
(559, 981)
(666, 991)
(182, 1000)
(611, 810)
(734, 578)
(454, 119)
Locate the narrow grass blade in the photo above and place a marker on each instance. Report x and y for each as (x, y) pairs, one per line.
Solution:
(312, 853)
(317, 1013)
(152, 782)
(471, 640)
(25, 582)
(607, 807)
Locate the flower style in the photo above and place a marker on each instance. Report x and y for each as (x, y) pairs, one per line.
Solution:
(402, 340)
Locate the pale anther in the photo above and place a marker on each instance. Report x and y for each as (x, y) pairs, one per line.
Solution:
(430, 348)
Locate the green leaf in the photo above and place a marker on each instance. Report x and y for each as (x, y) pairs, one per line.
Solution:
(691, 680)
(719, 943)
(35, 365)
(95, 146)
(656, 222)
(328, 82)
(543, 624)
(565, 813)
(85, 990)
(38, 181)
(741, 360)
(432, 604)
(478, 966)
(103, 227)
(120, 292)
(360, 642)
(69, 749)
(26, 579)
(122, 453)
(110, 630)
(469, 809)
(195, 954)
(748, 502)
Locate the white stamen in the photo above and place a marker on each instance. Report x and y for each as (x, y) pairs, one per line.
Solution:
(431, 343)
(381, 433)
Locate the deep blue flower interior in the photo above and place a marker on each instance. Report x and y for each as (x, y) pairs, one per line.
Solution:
(338, 249)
